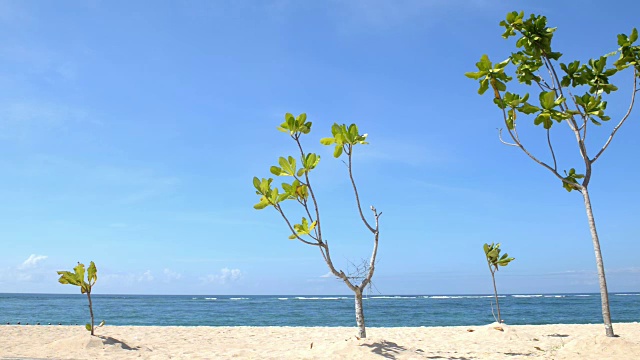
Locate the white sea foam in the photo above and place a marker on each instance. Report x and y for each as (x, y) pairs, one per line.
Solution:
(554, 296)
(627, 294)
(320, 298)
(211, 298)
(444, 297)
(526, 296)
(393, 297)
(582, 295)
(240, 298)
(283, 298)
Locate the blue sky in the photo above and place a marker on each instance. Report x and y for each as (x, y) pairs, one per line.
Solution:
(130, 132)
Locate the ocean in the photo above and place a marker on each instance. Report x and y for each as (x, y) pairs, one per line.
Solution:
(299, 310)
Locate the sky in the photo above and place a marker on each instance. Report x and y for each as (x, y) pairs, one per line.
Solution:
(130, 133)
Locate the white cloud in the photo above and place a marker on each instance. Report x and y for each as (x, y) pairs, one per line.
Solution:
(327, 275)
(129, 279)
(171, 275)
(225, 275)
(146, 276)
(32, 261)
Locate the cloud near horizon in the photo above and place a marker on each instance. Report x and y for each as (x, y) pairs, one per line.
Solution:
(32, 261)
(226, 275)
(171, 275)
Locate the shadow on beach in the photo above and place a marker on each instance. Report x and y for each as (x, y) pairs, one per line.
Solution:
(108, 340)
(386, 349)
(389, 350)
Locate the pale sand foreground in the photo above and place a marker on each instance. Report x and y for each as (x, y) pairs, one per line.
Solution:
(484, 342)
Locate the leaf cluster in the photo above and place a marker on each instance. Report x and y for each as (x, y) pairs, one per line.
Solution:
(77, 277)
(535, 44)
(295, 126)
(344, 138)
(535, 54)
(492, 252)
(571, 179)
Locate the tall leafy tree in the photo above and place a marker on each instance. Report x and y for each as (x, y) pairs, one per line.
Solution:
(300, 190)
(572, 96)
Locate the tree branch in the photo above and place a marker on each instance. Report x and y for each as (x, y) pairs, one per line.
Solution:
(279, 209)
(324, 249)
(372, 262)
(502, 141)
(355, 190)
(514, 137)
(553, 155)
(313, 196)
(615, 129)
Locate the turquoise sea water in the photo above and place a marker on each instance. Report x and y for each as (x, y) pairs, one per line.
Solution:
(298, 310)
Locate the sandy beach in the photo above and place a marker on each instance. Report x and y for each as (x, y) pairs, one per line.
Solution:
(464, 342)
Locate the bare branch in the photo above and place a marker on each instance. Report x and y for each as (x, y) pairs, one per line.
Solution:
(374, 253)
(355, 190)
(615, 129)
(340, 274)
(502, 141)
(555, 164)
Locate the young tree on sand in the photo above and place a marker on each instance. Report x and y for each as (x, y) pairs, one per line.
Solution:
(536, 65)
(492, 252)
(309, 230)
(77, 278)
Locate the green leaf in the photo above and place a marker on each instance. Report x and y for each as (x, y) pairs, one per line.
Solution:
(256, 183)
(262, 204)
(475, 75)
(623, 40)
(528, 109)
(88, 327)
(337, 151)
(92, 273)
(634, 36)
(503, 64)
(484, 86)
(545, 119)
(69, 278)
(288, 166)
(275, 171)
(484, 63)
(547, 99)
(327, 141)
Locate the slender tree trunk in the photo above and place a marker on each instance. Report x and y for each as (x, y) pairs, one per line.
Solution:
(90, 311)
(495, 293)
(604, 294)
(362, 332)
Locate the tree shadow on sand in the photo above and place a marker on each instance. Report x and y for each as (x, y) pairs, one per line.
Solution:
(386, 349)
(108, 340)
(558, 335)
(389, 350)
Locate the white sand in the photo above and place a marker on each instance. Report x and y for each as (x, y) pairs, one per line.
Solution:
(484, 342)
